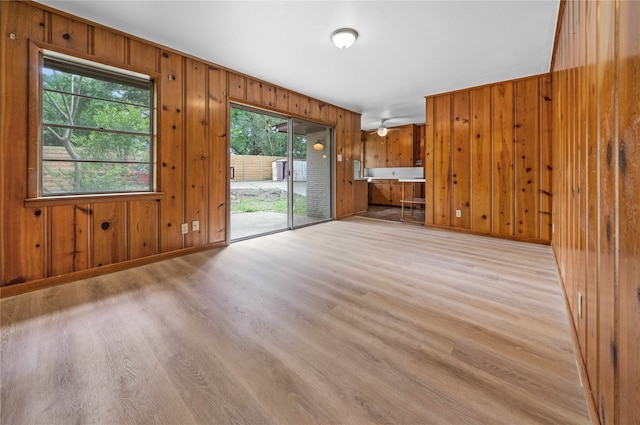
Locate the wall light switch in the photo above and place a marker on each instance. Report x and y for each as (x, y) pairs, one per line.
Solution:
(458, 213)
(195, 225)
(185, 228)
(339, 157)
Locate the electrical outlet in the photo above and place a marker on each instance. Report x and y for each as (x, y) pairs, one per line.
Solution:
(458, 213)
(195, 225)
(185, 228)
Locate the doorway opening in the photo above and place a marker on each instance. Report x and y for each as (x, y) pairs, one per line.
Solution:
(281, 173)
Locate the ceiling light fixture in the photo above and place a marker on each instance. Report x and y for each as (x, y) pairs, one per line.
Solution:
(318, 146)
(382, 131)
(344, 37)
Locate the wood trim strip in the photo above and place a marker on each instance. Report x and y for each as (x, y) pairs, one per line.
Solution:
(491, 235)
(93, 198)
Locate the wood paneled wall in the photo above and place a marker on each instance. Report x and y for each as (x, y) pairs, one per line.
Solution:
(397, 149)
(488, 154)
(41, 242)
(596, 140)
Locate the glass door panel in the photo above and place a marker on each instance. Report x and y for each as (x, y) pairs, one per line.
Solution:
(311, 173)
(259, 200)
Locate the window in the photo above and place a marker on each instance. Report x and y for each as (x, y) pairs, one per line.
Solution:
(96, 128)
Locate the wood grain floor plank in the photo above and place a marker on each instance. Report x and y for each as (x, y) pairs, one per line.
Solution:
(355, 321)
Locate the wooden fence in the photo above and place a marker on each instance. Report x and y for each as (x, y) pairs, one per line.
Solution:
(252, 167)
(256, 167)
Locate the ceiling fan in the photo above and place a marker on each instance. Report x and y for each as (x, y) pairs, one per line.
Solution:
(383, 130)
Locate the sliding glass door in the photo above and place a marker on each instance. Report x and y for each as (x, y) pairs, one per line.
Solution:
(311, 173)
(281, 173)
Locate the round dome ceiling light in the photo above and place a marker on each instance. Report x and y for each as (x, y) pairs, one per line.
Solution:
(344, 37)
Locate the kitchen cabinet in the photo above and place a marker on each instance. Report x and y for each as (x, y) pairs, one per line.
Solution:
(380, 192)
(385, 192)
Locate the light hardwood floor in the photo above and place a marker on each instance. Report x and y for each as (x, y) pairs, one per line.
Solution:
(354, 322)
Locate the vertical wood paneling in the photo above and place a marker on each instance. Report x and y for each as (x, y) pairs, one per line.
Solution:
(109, 233)
(346, 198)
(314, 109)
(418, 148)
(191, 153)
(581, 158)
(429, 166)
(254, 91)
(347, 133)
(608, 236)
(142, 229)
(597, 241)
(393, 148)
(323, 112)
(237, 86)
(461, 160)
(332, 114)
(69, 238)
(305, 106)
(546, 164)
(593, 158)
(481, 177)
(196, 155)
(171, 151)
(294, 104)
(143, 56)
(70, 34)
(375, 152)
(110, 46)
(442, 160)
(492, 158)
(527, 138)
(340, 132)
(218, 152)
(282, 99)
(22, 237)
(503, 141)
(406, 141)
(269, 95)
(629, 227)
(354, 153)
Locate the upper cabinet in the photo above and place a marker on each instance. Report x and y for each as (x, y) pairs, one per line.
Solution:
(396, 149)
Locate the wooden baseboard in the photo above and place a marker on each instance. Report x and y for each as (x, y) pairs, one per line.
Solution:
(491, 235)
(47, 282)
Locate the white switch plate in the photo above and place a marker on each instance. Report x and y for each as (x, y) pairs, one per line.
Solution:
(339, 157)
(458, 213)
(195, 225)
(185, 228)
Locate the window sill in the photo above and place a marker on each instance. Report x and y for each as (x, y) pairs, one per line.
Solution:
(92, 199)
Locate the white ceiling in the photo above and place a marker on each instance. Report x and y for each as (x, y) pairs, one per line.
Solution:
(406, 49)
